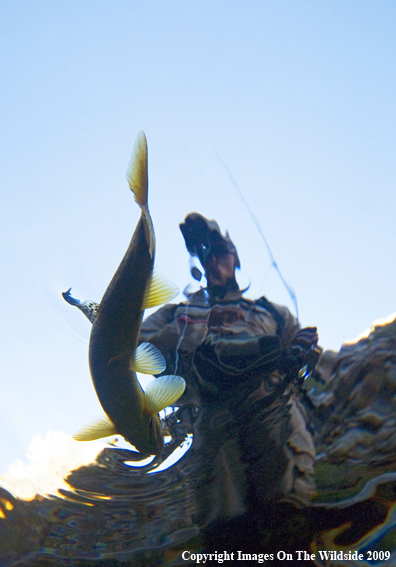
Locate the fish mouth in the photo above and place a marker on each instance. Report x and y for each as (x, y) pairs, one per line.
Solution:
(156, 439)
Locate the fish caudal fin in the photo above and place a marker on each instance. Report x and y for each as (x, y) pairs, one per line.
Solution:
(159, 290)
(137, 175)
(96, 430)
(147, 359)
(163, 392)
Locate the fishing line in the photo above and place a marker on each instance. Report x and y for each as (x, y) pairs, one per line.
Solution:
(256, 222)
(180, 339)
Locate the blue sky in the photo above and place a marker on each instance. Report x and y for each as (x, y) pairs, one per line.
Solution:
(297, 98)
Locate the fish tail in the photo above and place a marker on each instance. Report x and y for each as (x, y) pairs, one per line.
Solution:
(137, 175)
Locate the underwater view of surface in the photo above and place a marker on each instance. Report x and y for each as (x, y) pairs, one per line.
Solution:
(307, 466)
(278, 122)
(269, 443)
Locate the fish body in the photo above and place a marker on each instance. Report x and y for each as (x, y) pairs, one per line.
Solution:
(113, 340)
(114, 355)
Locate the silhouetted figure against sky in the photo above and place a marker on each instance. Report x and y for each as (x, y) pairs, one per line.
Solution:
(241, 361)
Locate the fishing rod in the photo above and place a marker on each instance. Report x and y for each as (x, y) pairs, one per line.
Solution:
(289, 290)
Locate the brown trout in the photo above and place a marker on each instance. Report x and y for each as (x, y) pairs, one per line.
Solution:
(114, 355)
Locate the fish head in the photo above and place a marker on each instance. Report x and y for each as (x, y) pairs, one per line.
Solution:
(147, 436)
(155, 435)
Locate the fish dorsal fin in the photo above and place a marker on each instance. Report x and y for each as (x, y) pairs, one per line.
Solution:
(147, 360)
(159, 290)
(136, 174)
(96, 430)
(163, 392)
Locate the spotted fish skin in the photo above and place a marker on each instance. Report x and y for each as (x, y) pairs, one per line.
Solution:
(89, 308)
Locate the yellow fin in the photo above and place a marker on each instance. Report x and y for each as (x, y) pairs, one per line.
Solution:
(159, 290)
(96, 430)
(136, 174)
(147, 360)
(163, 392)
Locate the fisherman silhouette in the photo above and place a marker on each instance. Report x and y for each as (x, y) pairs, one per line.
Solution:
(242, 362)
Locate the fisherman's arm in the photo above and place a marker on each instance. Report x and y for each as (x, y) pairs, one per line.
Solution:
(300, 345)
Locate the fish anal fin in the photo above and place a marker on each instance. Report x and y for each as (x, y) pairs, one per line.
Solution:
(159, 290)
(136, 174)
(163, 392)
(147, 360)
(96, 430)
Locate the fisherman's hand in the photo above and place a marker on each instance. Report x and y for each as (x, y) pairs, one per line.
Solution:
(305, 347)
(302, 350)
(305, 338)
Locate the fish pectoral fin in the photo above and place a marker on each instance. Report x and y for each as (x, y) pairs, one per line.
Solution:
(147, 360)
(159, 290)
(163, 392)
(96, 430)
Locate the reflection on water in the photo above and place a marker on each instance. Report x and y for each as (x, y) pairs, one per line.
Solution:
(51, 458)
(112, 513)
(109, 509)
(117, 507)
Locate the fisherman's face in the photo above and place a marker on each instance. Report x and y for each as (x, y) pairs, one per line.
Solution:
(219, 269)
